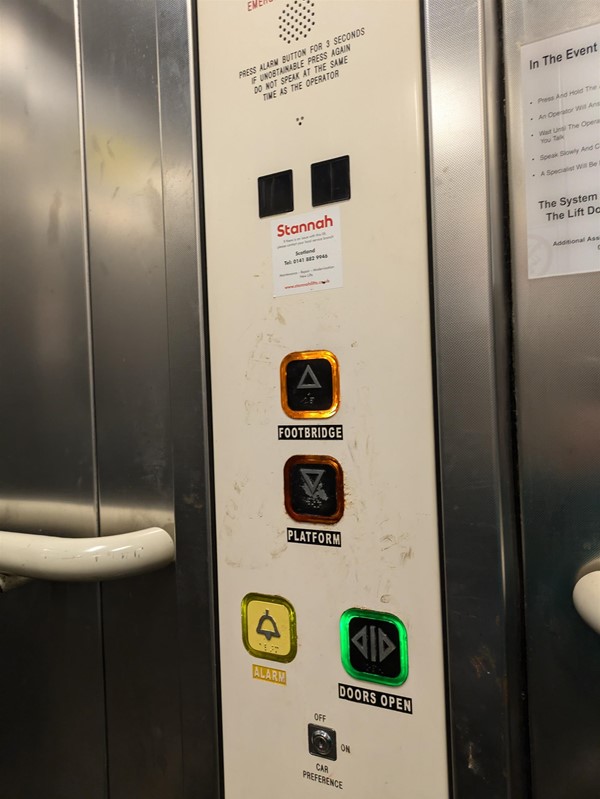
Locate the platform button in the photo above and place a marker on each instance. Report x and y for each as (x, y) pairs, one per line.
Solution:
(314, 488)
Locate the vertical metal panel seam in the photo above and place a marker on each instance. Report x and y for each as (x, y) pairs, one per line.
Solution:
(196, 122)
(423, 7)
(88, 281)
(164, 231)
(167, 323)
(86, 246)
(505, 454)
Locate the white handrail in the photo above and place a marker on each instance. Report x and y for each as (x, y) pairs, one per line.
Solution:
(108, 557)
(586, 598)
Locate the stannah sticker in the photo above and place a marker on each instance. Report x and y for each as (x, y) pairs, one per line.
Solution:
(307, 252)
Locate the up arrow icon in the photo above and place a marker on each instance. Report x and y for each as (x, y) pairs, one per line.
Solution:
(309, 379)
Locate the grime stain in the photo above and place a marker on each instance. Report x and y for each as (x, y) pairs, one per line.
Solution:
(278, 551)
(388, 541)
(472, 761)
(483, 663)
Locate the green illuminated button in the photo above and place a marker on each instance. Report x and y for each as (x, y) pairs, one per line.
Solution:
(374, 646)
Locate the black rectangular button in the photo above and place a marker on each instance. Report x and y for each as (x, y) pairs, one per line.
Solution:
(330, 180)
(275, 193)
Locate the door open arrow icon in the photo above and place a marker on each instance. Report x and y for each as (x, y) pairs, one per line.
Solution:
(373, 643)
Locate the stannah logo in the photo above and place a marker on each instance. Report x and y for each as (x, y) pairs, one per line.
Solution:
(304, 227)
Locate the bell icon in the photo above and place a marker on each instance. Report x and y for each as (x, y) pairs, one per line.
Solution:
(265, 619)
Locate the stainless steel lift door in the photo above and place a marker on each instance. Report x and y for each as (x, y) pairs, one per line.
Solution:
(557, 355)
(522, 669)
(105, 690)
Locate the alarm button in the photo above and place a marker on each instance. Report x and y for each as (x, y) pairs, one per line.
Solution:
(269, 627)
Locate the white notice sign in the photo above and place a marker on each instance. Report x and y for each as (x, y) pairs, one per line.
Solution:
(561, 126)
(307, 252)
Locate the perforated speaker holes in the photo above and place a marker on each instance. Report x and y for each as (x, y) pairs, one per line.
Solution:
(296, 20)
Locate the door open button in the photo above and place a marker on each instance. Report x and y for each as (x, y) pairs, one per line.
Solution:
(374, 646)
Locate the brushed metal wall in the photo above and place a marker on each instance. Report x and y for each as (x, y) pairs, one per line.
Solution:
(52, 739)
(151, 399)
(103, 397)
(129, 329)
(557, 349)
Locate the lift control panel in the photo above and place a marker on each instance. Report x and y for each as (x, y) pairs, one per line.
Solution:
(332, 665)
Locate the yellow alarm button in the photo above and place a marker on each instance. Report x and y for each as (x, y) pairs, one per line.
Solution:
(269, 627)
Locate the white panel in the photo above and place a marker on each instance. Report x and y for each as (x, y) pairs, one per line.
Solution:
(378, 326)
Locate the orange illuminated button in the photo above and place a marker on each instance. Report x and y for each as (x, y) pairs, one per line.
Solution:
(314, 488)
(310, 384)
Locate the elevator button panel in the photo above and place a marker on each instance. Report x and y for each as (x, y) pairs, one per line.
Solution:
(324, 317)
(314, 488)
(374, 646)
(310, 384)
(269, 627)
